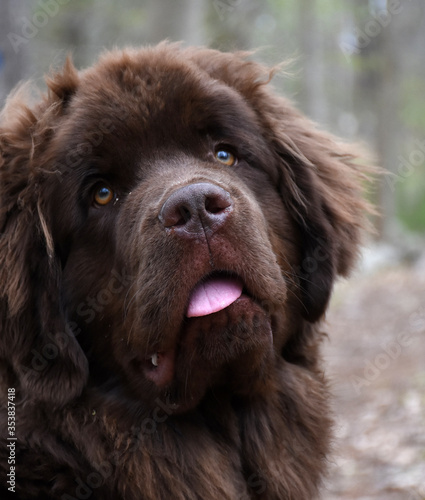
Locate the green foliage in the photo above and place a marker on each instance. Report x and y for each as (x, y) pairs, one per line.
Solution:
(411, 192)
(413, 106)
(413, 215)
(410, 196)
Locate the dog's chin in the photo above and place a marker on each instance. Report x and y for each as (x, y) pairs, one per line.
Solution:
(232, 348)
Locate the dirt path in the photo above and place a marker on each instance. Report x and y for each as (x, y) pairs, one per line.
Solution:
(375, 357)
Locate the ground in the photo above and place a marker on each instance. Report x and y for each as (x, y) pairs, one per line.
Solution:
(375, 358)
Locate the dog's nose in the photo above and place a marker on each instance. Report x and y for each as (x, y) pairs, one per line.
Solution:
(196, 209)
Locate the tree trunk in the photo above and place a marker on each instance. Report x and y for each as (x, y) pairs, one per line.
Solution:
(177, 20)
(13, 45)
(311, 96)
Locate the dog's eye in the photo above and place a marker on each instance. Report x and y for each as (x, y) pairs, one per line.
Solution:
(103, 195)
(225, 157)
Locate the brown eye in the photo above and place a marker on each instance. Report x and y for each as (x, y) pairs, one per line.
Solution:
(103, 195)
(225, 157)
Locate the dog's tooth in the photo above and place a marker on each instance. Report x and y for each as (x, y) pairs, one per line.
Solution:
(154, 359)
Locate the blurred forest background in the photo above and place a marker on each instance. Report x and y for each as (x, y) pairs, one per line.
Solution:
(358, 69)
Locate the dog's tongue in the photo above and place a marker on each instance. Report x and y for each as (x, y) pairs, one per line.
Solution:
(213, 295)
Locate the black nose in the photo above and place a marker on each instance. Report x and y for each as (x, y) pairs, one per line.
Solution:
(196, 209)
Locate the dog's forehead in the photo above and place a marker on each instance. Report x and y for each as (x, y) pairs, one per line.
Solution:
(147, 93)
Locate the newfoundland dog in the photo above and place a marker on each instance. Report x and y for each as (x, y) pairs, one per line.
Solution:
(170, 231)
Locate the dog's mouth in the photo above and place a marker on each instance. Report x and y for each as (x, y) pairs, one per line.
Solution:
(211, 295)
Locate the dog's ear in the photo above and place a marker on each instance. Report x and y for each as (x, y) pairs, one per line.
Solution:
(321, 180)
(38, 348)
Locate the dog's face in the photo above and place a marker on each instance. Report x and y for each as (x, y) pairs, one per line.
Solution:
(189, 225)
(176, 247)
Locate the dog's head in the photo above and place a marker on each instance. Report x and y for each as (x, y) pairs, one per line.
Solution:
(167, 224)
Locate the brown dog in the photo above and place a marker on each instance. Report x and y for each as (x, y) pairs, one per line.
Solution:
(170, 234)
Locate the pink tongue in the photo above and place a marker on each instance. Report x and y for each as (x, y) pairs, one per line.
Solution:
(213, 296)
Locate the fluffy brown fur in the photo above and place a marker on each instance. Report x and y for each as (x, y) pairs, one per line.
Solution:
(238, 406)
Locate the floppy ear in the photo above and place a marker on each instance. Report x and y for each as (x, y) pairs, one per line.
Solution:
(321, 181)
(38, 347)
